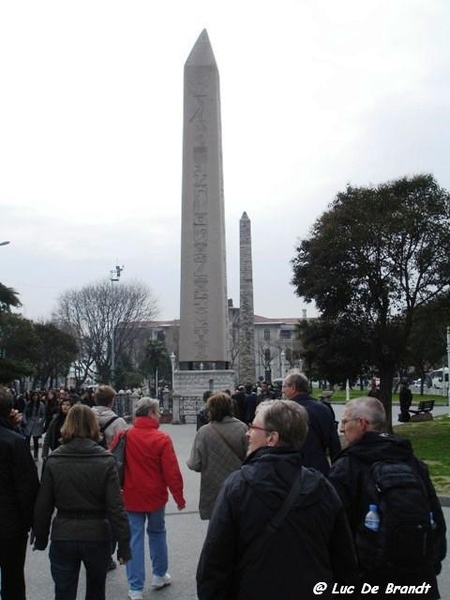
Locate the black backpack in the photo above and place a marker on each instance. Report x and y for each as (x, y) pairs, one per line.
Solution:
(404, 540)
(103, 428)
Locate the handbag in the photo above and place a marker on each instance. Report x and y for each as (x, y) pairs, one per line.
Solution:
(117, 449)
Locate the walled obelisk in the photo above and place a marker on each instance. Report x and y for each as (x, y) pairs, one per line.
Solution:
(203, 344)
(247, 372)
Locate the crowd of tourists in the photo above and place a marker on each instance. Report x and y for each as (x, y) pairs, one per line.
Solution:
(291, 514)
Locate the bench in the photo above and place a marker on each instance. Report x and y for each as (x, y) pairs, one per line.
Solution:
(423, 411)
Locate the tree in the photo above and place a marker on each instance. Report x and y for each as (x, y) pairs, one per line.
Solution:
(98, 312)
(18, 347)
(334, 350)
(156, 361)
(427, 343)
(57, 351)
(374, 257)
(8, 298)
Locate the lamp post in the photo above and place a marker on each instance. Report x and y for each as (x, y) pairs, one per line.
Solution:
(172, 362)
(114, 275)
(283, 366)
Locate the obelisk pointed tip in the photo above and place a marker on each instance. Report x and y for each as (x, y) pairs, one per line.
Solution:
(202, 53)
(245, 216)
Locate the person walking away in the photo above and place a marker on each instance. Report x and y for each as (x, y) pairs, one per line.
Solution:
(51, 407)
(110, 424)
(265, 541)
(151, 468)
(250, 403)
(34, 418)
(202, 415)
(218, 449)
(52, 439)
(322, 442)
(19, 484)
(80, 480)
(405, 399)
(402, 541)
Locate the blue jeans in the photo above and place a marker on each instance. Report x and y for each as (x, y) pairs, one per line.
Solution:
(65, 560)
(156, 531)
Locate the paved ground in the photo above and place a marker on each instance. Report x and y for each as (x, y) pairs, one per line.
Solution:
(186, 533)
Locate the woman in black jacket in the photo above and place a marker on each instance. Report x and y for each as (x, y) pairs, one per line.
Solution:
(52, 438)
(80, 480)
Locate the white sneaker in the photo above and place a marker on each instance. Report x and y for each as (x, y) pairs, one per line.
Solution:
(159, 582)
(135, 594)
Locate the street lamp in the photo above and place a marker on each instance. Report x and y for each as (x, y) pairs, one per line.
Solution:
(114, 275)
(283, 367)
(172, 362)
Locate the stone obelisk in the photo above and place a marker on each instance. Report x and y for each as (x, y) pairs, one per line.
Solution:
(247, 372)
(203, 344)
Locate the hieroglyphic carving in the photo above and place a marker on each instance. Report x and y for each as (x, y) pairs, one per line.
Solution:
(200, 216)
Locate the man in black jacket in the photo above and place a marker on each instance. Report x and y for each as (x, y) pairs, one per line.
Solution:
(352, 474)
(323, 440)
(312, 545)
(19, 484)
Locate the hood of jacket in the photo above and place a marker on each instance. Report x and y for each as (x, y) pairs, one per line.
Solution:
(375, 446)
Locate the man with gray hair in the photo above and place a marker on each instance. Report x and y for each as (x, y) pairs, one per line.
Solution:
(151, 468)
(392, 507)
(322, 441)
(277, 528)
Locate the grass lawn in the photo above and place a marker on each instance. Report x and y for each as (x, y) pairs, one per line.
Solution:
(431, 443)
(340, 396)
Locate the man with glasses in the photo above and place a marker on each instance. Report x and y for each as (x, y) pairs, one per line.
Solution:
(259, 547)
(322, 440)
(379, 469)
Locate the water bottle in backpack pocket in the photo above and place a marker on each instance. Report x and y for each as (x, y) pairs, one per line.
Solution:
(396, 532)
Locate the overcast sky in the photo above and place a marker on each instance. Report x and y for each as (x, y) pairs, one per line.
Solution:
(315, 95)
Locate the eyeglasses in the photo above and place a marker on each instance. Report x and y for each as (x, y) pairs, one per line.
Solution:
(345, 421)
(251, 426)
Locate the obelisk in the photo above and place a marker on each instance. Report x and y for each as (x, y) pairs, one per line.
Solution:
(247, 373)
(203, 343)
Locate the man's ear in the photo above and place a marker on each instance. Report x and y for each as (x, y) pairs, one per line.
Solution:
(273, 438)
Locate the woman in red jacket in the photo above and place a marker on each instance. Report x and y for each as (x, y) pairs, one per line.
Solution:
(150, 468)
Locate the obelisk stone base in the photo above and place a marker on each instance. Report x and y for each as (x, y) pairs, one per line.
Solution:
(189, 387)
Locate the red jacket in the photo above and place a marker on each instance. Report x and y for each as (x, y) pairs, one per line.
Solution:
(150, 468)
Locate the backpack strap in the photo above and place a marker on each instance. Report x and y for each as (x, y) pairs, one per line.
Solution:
(104, 427)
(299, 492)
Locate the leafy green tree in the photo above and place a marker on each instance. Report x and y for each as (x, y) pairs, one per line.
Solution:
(427, 343)
(8, 298)
(334, 350)
(373, 258)
(19, 347)
(156, 360)
(57, 351)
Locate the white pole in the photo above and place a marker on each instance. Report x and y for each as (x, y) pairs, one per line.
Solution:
(347, 391)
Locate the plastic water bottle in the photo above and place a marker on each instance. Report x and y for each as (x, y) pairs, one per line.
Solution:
(372, 518)
(432, 521)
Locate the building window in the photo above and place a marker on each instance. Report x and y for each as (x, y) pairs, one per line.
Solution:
(285, 334)
(266, 335)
